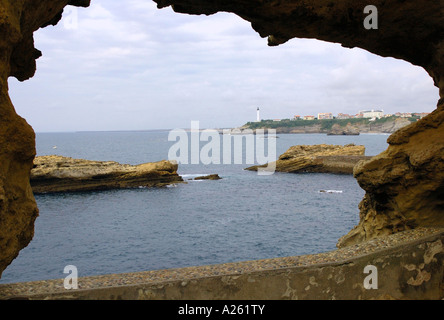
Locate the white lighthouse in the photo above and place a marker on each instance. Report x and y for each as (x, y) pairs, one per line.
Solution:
(258, 119)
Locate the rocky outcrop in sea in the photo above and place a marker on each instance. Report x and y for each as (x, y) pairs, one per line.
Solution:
(214, 176)
(64, 174)
(319, 158)
(348, 130)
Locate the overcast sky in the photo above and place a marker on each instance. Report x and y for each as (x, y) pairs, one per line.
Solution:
(126, 65)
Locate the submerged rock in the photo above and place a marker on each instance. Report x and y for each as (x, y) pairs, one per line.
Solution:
(209, 177)
(63, 174)
(319, 158)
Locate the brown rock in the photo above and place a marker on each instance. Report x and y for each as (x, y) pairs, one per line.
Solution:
(385, 127)
(404, 184)
(18, 209)
(319, 158)
(63, 174)
(348, 130)
(209, 177)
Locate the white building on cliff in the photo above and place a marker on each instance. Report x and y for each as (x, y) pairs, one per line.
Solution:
(377, 114)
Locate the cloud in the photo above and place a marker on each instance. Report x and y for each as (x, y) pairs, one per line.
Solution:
(128, 65)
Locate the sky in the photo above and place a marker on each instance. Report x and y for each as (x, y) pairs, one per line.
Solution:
(126, 65)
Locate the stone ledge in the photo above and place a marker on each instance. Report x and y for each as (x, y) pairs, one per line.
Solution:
(336, 274)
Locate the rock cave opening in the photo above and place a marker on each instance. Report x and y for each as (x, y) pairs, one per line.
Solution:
(418, 149)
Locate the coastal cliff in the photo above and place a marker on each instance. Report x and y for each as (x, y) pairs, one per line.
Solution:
(63, 174)
(19, 19)
(319, 158)
(332, 126)
(405, 184)
(348, 130)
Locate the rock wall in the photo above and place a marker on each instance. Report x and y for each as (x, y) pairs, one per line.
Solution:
(18, 210)
(405, 184)
(409, 30)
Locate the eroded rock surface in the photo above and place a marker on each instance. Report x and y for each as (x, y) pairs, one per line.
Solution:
(64, 174)
(348, 130)
(214, 176)
(18, 210)
(405, 184)
(318, 158)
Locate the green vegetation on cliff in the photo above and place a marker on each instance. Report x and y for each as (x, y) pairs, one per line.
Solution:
(324, 124)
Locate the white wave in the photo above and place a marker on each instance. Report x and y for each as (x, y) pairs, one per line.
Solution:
(190, 175)
(330, 191)
(174, 185)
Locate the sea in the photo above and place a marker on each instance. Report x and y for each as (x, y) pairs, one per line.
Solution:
(244, 216)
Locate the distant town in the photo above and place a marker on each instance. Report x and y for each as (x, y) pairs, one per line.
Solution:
(365, 114)
(365, 121)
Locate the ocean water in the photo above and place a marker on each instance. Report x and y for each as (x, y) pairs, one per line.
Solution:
(242, 217)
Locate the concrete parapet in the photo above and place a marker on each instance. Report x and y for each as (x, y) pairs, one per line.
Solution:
(406, 265)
